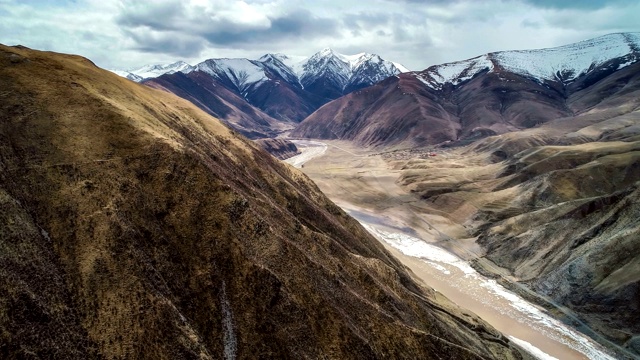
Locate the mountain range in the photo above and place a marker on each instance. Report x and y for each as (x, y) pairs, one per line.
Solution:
(264, 97)
(487, 95)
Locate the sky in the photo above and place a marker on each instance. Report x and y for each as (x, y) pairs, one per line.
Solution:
(125, 34)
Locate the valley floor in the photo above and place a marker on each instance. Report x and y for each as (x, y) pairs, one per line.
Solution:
(436, 249)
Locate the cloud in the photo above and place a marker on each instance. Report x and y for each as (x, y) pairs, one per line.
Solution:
(128, 33)
(236, 24)
(581, 4)
(299, 25)
(160, 16)
(176, 44)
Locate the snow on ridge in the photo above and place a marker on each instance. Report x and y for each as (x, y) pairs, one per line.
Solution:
(288, 60)
(572, 60)
(242, 72)
(127, 75)
(361, 68)
(358, 68)
(564, 63)
(400, 67)
(155, 70)
(454, 72)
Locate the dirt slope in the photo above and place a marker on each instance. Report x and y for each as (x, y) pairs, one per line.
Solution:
(137, 226)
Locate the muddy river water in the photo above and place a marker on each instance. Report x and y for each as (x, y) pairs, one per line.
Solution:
(524, 323)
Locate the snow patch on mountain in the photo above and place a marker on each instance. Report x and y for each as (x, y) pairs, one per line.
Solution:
(455, 72)
(400, 67)
(573, 60)
(280, 64)
(126, 74)
(153, 71)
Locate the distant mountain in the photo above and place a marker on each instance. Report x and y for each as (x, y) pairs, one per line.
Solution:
(214, 97)
(127, 74)
(562, 64)
(486, 95)
(331, 75)
(152, 71)
(281, 87)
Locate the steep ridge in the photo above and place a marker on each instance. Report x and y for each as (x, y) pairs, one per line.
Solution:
(487, 95)
(137, 226)
(555, 207)
(217, 100)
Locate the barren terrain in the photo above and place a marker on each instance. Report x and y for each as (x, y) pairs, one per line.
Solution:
(435, 241)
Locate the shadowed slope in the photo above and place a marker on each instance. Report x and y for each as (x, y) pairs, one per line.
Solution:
(136, 226)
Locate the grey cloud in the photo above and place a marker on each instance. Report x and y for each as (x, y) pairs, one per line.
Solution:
(531, 24)
(581, 4)
(624, 19)
(160, 16)
(300, 24)
(430, 2)
(369, 19)
(166, 43)
(170, 19)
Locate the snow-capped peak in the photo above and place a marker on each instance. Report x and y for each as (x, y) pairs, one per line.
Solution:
(149, 71)
(126, 74)
(346, 71)
(242, 73)
(154, 70)
(326, 52)
(563, 63)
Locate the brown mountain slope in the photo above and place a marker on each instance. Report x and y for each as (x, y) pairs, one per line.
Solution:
(404, 111)
(390, 112)
(215, 99)
(556, 207)
(136, 226)
(275, 103)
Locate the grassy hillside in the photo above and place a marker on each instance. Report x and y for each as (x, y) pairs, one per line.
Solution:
(137, 226)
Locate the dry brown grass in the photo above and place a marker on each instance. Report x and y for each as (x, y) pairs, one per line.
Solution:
(137, 224)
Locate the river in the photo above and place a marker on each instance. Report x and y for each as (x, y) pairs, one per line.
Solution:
(524, 323)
